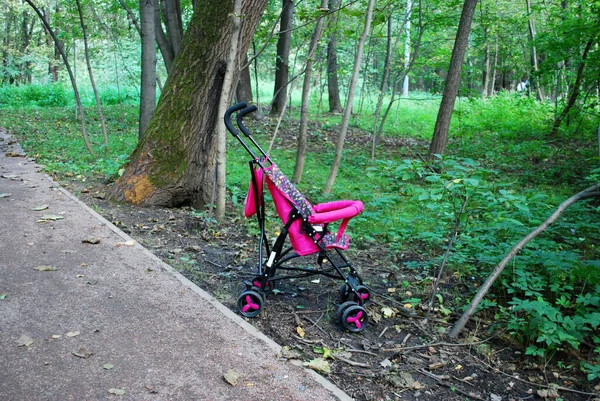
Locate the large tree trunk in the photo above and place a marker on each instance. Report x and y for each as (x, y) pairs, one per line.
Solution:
(339, 148)
(148, 79)
(282, 68)
(175, 163)
(442, 124)
(333, 87)
(303, 134)
(243, 91)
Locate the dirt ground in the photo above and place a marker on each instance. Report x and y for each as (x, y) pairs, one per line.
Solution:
(398, 356)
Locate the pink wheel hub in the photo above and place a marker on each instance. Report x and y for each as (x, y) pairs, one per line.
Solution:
(355, 319)
(250, 305)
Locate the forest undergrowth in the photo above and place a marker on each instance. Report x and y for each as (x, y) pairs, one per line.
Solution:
(501, 178)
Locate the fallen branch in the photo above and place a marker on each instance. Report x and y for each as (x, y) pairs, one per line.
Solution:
(442, 381)
(460, 324)
(352, 363)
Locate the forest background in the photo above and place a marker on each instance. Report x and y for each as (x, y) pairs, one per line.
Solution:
(524, 134)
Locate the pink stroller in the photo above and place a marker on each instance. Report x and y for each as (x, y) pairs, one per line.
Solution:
(307, 228)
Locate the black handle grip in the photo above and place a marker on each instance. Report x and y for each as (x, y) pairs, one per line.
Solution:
(227, 117)
(250, 109)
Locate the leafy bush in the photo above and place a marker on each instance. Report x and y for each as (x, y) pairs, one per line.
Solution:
(49, 95)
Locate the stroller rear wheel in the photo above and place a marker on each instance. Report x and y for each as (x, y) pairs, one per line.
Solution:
(355, 318)
(361, 296)
(250, 303)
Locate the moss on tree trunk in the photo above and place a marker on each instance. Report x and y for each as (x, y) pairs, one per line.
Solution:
(174, 164)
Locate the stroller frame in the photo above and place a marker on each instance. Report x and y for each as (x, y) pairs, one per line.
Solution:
(351, 313)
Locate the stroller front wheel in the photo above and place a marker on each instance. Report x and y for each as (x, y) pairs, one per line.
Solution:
(355, 318)
(250, 303)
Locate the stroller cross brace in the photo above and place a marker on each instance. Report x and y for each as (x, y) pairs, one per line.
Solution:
(306, 226)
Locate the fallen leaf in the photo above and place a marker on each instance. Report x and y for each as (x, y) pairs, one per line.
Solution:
(300, 331)
(45, 268)
(388, 312)
(9, 176)
(231, 377)
(4, 195)
(56, 336)
(386, 363)
(131, 242)
(92, 241)
(108, 366)
(116, 391)
(73, 333)
(24, 341)
(79, 276)
(50, 217)
(320, 365)
(3, 296)
(82, 352)
(288, 353)
(39, 208)
(391, 290)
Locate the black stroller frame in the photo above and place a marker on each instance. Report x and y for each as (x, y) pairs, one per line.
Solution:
(353, 294)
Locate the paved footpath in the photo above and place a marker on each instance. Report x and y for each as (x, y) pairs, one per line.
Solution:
(110, 321)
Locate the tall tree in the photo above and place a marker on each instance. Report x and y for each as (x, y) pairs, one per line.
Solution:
(442, 124)
(310, 59)
(333, 88)
(282, 68)
(148, 78)
(88, 63)
(175, 162)
(60, 48)
(339, 148)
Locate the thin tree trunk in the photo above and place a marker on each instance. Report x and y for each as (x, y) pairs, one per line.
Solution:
(576, 88)
(148, 76)
(486, 71)
(348, 110)
(243, 90)
(303, 134)
(92, 81)
(406, 47)
(224, 102)
(483, 290)
(164, 45)
(171, 10)
(442, 124)
(282, 62)
(333, 88)
(59, 47)
(494, 69)
(384, 82)
(534, 59)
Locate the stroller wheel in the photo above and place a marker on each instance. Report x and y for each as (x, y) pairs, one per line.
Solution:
(342, 308)
(355, 318)
(250, 303)
(363, 294)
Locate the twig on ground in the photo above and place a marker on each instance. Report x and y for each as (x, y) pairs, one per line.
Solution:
(318, 327)
(442, 381)
(383, 331)
(352, 363)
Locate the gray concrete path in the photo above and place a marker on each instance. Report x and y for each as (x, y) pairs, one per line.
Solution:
(83, 321)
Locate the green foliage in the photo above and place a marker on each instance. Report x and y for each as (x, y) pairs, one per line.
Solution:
(51, 95)
(53, 137)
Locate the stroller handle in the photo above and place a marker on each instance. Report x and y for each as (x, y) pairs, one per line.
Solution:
(227, 117)
(240, 116)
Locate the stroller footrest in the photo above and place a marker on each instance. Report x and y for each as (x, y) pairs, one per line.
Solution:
(331, 241)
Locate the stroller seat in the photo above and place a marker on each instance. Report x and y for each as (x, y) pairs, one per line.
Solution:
(308, 229)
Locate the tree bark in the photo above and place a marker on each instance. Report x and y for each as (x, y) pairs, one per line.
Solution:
(460, 324)
(310, 59)
(442, 124)
(333, 88)
(148, 78)
(339, 148)
(282, 69)
(91, 74)
(534, 58)
(243, 90)
(175, 163)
